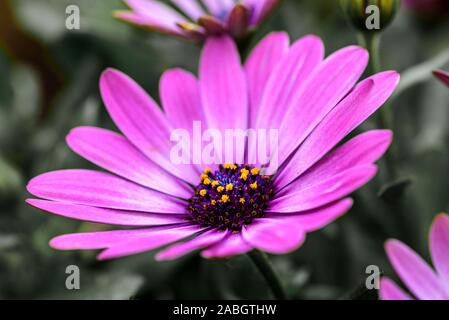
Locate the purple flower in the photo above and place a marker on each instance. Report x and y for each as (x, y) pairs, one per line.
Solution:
(228, 209)
(422, 281)
(198, 19)
(443, 76)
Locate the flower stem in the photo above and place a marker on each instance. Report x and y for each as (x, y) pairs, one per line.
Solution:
(261, 262)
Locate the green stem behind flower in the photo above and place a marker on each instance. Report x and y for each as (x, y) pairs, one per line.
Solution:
(371, 42)
(261, 262)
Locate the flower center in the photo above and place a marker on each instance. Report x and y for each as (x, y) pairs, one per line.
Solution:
(230, 197)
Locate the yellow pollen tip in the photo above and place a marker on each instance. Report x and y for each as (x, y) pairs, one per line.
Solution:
(220, 189)
(244, 174)
(226, 166)
(207, 170)
(255, 171)
(215, 183)
(203, 192)
(242, 200)
(233, 167)
(213, 202)
(224, 198)
(203, 176)
(229, 187)
(253, 185)
(206, 181)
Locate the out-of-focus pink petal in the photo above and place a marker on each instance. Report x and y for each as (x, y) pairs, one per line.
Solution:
(390, 291)
(219, 8)
(287, 78)
(109, 216)
(443, 76)
(315, 219)
(416, 274)
(103, 239)
(147, 242)
(260, 65)
(141, 120)
(439, 247)
(191, 7)
(100, 189)
(156, 12)
(274, 235)
(232, 245)
(325, 87)
(362, 102)
(203, 240)
(261, 9)
(115, 153)
(324, 192)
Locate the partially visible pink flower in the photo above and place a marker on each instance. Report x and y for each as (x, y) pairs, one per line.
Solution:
(421, 280)
(231, 208)
(443, 76)
(429, 9)
(198, 18)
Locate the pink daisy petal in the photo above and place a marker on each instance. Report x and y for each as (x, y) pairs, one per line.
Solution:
(439, 247)
(99, 189)
(109, 216)
(361, 103)
(260, 65)
(286, 79)
(142, 121)
(181, 98)
(115, 153)
(324, 192)
(390, 291)
(147, 242)
(366, 148)
(232, 245)
(203, 240)
(317, 96)
(222, 84)
(274, 235)
(315, 219)
(416, 274)
(105, 239)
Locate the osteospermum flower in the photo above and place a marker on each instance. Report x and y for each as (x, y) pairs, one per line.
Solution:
(422, 281)
(196, 19)
(232, 208)
(443, 76)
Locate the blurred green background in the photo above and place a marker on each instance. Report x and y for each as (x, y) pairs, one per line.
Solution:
(49, 84)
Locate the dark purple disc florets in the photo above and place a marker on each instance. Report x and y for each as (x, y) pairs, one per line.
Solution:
(230, 197)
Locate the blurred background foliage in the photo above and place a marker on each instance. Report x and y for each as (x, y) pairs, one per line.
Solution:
(48, 84)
